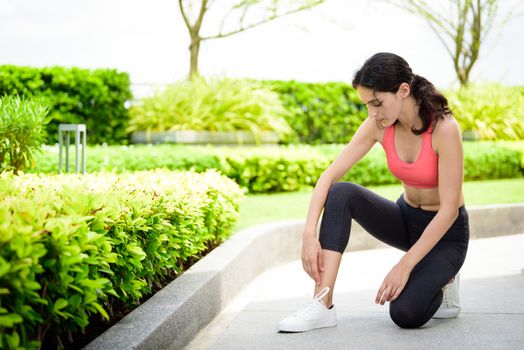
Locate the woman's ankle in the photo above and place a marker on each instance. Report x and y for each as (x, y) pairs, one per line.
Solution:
(328, 303)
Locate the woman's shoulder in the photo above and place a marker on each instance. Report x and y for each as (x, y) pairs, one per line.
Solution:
(446, 125)
(446, 130)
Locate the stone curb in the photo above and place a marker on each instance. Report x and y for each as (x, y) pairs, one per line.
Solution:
(172, 317)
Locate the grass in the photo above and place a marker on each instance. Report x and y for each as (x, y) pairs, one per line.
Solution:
(263, 208)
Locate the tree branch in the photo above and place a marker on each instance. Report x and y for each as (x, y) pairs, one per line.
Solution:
(266, 20)
(203, 10)
(184, 15)
(242, 18)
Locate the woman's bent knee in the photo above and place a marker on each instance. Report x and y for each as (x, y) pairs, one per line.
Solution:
(341, 191)
(336, 221)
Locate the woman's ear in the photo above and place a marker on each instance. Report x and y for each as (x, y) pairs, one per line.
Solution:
(404, 90)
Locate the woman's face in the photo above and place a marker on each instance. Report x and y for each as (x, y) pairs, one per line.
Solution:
(385, 107)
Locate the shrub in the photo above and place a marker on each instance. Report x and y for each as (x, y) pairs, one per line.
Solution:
(280, 168)
(95, 97)
(212, 105)
(495, 111)
(22, 131)
(71, 245)
(320, 112)
(487, 160)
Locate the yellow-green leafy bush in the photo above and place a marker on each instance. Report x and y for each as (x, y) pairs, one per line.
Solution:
(71, 245)
(493, 110)
(213, 105)
(22, 131)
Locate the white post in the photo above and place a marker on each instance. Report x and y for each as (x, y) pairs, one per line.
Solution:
(67, 151)
(60, 150)
(84, 153)
(78, 129)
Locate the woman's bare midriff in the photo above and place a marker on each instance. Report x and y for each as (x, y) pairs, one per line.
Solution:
(425, 198)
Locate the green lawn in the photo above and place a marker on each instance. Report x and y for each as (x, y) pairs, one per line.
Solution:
(258, 209)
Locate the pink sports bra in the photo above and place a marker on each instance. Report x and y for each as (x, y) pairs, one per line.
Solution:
(423, 172)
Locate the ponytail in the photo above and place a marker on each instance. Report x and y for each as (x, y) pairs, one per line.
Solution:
(432, 104)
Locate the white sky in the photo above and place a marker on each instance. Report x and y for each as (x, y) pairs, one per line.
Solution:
(148, 40)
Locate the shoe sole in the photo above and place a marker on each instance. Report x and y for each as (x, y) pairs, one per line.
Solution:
(446, 314)
(308, 327)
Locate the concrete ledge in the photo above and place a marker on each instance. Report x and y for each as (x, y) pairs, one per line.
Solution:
(203, 137)
(174, 315)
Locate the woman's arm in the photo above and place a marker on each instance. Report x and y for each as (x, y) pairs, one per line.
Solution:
(450, 170)
(360, 144)
(363, 140)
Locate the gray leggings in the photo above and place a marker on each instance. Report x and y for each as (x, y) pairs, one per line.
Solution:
(399, 225)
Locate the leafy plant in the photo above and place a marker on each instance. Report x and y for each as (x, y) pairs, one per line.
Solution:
(22, 131)
(320, 113)
(493, 110)
(214, 105)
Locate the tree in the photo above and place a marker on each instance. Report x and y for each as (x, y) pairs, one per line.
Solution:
(272, 9)
(462, 28)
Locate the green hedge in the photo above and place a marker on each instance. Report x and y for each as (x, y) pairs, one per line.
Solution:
(282, 168)
(93, 97)
(72, 246)
(320, 112)
(493, 160)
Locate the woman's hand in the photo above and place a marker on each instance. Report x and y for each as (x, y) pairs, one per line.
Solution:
(393, 284)
(312, 257)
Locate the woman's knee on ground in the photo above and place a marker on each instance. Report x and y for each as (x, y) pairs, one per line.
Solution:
(407, 315)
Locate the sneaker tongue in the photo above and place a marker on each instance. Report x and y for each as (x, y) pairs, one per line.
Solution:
(321, 301)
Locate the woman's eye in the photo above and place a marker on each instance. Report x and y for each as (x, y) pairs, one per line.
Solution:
(377, 104)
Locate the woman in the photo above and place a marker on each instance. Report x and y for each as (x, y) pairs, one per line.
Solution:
(429, 222)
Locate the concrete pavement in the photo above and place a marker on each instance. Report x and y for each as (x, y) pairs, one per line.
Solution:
(492, 298)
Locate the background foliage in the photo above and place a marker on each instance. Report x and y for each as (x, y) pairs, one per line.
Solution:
(94, 97)
(312, 113)
(282, 168)
(320, 112)
(495, 111)
(22, 131)
(212, 105)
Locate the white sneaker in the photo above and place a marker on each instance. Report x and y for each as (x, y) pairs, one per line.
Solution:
(450, 307)
(312, 315)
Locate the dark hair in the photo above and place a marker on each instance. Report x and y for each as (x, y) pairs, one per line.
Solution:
(385, 72)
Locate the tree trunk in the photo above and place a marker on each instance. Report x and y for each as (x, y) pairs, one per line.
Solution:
(463, 76)
(194, 49)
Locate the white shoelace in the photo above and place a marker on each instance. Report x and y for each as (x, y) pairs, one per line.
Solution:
(312, 305)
